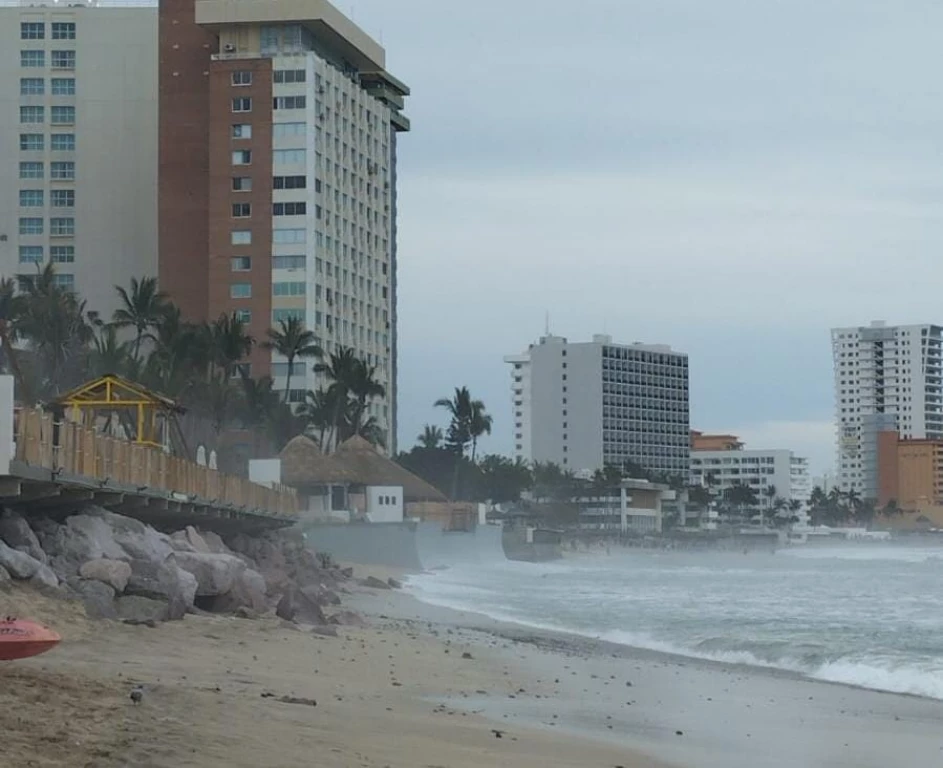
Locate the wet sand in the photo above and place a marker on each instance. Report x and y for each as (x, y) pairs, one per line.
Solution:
(222, 691)
(687, 712)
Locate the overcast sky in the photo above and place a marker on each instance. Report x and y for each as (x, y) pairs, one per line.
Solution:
(731, 178)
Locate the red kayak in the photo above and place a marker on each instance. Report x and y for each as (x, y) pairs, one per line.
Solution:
(20, 638)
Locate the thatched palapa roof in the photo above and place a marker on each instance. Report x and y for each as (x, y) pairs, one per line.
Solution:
(355, 462)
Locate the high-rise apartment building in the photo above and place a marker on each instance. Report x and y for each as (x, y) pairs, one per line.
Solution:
(78, 145)
(887, 378)
(586, 405)
(278, 131)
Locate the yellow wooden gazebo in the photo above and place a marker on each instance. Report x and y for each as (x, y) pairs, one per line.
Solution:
(139, 410)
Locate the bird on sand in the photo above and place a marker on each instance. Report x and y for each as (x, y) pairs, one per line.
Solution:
(137, 694)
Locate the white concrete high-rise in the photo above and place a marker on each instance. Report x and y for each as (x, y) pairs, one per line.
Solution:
(759, 470)
(886, 378)
(587, 405)
(78, 144)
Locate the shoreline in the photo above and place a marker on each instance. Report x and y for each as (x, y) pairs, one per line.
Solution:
(728, 715)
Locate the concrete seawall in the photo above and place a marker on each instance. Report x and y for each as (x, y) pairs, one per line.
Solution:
(410, 546)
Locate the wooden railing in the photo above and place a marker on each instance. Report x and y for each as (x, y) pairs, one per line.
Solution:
(82, 451)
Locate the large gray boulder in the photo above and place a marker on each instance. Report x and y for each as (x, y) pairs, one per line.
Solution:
(19, 564)
(215, 574)
(5, 578)
(138, 540)
(44, 577)
(248, 591)
(164, 581)
(141, 609)
(15, 531)
(298, 607)
(81, 538)
(215, 544)
(97, 597)
(114, 573)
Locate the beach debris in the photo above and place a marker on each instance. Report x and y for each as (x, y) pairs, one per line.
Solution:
(497, 734)
(136, 695)
(467, 655)
(298, 700)
(679, 733)
(394, 583)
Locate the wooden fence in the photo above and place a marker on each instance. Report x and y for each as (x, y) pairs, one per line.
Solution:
(79, 450)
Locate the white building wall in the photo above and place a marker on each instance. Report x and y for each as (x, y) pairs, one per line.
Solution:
(758, 469)
(115, 155)
(559, 405)
(886, 377)
(385, 503)
(348, 272)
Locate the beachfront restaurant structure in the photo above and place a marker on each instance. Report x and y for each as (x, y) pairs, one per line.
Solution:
(355, 483)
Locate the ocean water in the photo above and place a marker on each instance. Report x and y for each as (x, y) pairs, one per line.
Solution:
(866, 615)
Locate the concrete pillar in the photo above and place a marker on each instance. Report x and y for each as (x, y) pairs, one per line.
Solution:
(7, 446)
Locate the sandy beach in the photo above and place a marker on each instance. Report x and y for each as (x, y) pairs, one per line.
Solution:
(402, 693)
(235, 692)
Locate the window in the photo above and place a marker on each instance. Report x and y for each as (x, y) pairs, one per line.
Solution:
(62, 198)
(241, 210)
(31, 198)
(281, 369)
(288, 236)
(63, 30)
(32, 58)
(31, 170)
(286, 156)
(31, 254)
(32, 86)
(242, 157)
(62, 254)
(63, 59)
(64, 281)
(288, 102)
(31, 141)
(62, 170)
(242, 104)
(289, 209)
(241, 184)
(288, 262)
(241, 131)
(32, 30)
(240, 291)
(288, 289)
(289, 182)
(32, 114)
(241, 77)
(63, 142)
(289, 75)
(63, 86)
(244, 315)
(63, 115)
(283, 130)
(241, 237)
(31, 226)
(63, 227)
(240, 263)
(286, 314)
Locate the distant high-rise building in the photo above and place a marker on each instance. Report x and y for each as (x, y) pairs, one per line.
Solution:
(278, 133)
(587, 405)
(78, 145)
(771, 474)
(887, 378)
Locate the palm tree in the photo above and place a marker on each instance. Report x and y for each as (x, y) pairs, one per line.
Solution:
(230, 342)
(142, 308)
(430, 438)
(108, 355)
(11, 309)
(340, 370)
(292, 340)
(363, 387)
(318, 411)
(478, 425)
(461, 408)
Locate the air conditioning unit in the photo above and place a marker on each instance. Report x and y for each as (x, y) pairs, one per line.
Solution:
(229, 48)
